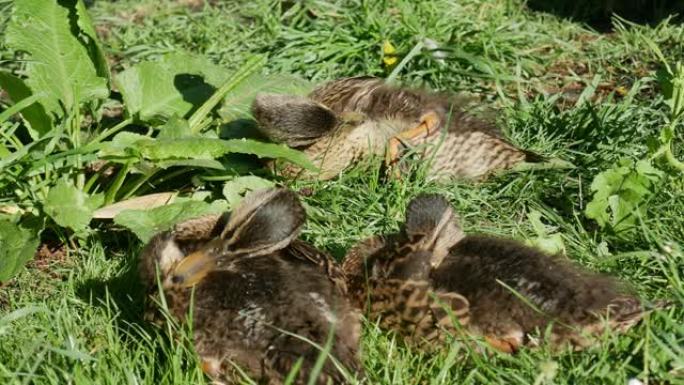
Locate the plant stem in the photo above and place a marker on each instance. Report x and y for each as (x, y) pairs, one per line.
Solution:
(112, 130)
(91, 181)
(136, 185)
(168, 176)
(671, 160)
(110, 196)
(4, 115)
(414, 52)
(252, 64)
(665, 148)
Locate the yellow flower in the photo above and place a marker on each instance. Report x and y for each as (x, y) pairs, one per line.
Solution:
(389, 56)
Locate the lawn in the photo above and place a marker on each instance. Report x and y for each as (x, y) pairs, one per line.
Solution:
(601, 100)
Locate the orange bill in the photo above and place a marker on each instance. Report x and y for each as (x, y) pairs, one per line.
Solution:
(191, 269)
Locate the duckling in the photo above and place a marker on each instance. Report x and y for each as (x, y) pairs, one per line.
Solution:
(389, 279)
(349, 119)
(261, 299)
(514, 291)
(166, 249)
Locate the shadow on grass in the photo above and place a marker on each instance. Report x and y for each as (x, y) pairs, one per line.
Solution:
(598, 13)
(122, 292)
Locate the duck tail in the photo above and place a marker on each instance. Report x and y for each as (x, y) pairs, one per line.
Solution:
(627, 311)
(533, 157)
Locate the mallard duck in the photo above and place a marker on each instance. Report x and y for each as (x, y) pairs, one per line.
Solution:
(263, 300)
(346, 120)
(517, 294)
(388, 278)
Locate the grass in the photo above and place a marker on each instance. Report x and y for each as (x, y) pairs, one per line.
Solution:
(78, 319)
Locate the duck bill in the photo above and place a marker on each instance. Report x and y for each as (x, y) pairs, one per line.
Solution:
(191, 269)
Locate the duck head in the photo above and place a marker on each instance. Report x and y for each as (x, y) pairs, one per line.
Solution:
(266, 221)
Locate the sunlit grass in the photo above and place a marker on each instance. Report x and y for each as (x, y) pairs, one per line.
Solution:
(80, 320)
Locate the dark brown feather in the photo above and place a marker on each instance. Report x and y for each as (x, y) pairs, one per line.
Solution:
(390, 283)
(266, 303)
(514, 288)
(514, 291)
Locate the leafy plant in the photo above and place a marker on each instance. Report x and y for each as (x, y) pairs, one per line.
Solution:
(62, 161)
(146, 223)
(620, 193)
(70, 207)
(60, 66)
(546, 239)
(672, 84)
(18, 244)
(235, 189)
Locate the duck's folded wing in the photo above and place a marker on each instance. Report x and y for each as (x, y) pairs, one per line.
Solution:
(411, 309)
(307, 253)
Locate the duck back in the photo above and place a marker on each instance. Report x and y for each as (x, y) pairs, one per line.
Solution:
(508, 283)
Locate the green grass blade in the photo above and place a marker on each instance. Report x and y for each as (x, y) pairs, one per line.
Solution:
(252, 65)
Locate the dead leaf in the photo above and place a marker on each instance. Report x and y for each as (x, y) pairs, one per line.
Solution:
(138, 203)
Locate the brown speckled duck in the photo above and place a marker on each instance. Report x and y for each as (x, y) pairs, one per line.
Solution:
(517, 295)
(388, 278)
(346, 120)
(262, 299)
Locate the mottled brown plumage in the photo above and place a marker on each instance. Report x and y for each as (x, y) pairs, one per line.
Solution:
(262, 299)
(388, 277)
(346, 120)
(518, 295)
(517, 292)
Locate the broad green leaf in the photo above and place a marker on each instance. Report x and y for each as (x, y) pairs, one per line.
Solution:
(17, 246)
(122, 145)
(238, 102)
(620, 191)
(195, 163)
(91, 41)
(175, 128)
(177, 84)
(646, 169)
(551, 243)
(235, 189)
(59, 64)
(597, 210)
(621, 212)
(70, 207)
(128, 145)
(146, 223)
(39, 120)
(206, 148)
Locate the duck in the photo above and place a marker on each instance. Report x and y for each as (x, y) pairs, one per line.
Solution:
(517, 295)
(389, 280)
(344, 121)
(260, 298)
